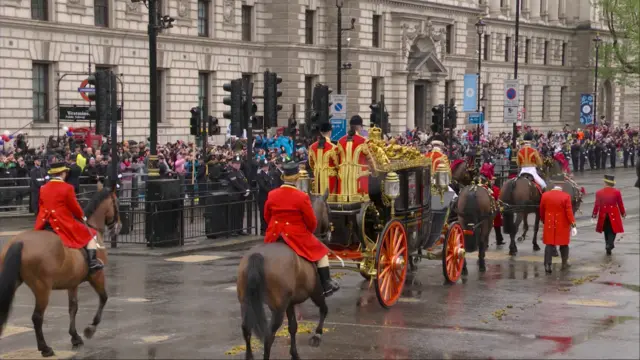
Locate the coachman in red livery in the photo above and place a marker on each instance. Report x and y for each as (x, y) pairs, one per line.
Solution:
(60, 212)
(609, 210)
(290, 216)
(487, 170)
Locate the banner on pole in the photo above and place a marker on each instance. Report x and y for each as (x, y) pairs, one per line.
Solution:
(470, 101)
(586, 109)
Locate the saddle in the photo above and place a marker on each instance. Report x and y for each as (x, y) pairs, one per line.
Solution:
(532, 182)
(84, 251)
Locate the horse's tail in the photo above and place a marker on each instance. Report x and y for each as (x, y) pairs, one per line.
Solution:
(8, 279)
(508, 217)
(254, 317)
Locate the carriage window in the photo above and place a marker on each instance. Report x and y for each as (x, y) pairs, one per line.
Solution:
(413, 191)
(425, 186)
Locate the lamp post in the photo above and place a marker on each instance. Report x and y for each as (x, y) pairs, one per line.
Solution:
(513, 165)
(480, 26)
(340, 66)
(596, 43)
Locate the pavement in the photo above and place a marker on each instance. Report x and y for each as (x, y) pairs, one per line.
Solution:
(184, 306)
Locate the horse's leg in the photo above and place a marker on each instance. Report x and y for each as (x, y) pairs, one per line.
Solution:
(97, 283)
(246, 333)
(482, 250)
(321, 303)
(76, 340)
(513, 248)
(465, 272)
(525, 227)
(293, 328)
(536, 225)
(277, 317)
(42, 291)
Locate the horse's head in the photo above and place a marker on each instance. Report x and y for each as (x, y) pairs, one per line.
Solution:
(102, 212)
(321, 209)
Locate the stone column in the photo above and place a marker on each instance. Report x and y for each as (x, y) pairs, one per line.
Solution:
(562, 9)
(534, 8)
(494, 8)
(512, 8)
(552, 11)
(411, 104)
(435, 94)
(584, 14)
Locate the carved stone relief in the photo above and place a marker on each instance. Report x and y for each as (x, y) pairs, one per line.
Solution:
(133, 7)
(74, 2)
(183, 8)
(228, 12)
(413, 32)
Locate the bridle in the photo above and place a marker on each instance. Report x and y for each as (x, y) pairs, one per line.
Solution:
(110, 227)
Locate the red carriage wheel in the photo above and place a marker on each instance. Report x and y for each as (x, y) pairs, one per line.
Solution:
(453, 253)
(392, 259)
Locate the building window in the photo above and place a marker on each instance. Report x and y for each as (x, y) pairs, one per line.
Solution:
(203, 18)
(376, 89)
(563, 97)
(309, 18)
(101, 13)
(40, 10)
(160, 96)
(527, 97)
(507, 49)
(527, 50)
(40, 75)
(487, 47)
(247, 23)
(375, 32)
(203, 92)
(546, 101)
(449, 39)
(309, 83)
(564, 54)
(546, 53)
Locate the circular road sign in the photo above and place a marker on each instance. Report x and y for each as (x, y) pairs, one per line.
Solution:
(83, 85)
(511, 93)
(338, 107)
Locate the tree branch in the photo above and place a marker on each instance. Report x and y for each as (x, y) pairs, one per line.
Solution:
(626, 66)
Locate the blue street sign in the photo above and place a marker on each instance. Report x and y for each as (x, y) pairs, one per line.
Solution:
(338, 107)
(339, 129)
(476, 118)
(81, 90)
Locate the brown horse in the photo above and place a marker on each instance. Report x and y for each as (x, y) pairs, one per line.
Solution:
(38, 259)
(522, 194)
(463, 175)
(475, 215)
(275, 275)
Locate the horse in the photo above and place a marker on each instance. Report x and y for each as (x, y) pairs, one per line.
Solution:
(274, 274)
(523, 194)
(463, 174)
(39, 260)
(475, 215)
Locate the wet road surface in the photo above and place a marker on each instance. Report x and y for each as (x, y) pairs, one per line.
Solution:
(186, 307)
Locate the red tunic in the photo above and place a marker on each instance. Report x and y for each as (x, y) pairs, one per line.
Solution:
(556, 213)
(528, 156)
(59, 207)
(354, 151)
(609, 202)
(289, 214)
(434, 155)
(497, 221)
(323, 164)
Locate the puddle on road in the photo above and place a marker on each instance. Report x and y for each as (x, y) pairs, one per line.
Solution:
(14, 330)
(195, 258)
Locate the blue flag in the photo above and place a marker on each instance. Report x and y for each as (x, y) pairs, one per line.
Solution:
(470, 100)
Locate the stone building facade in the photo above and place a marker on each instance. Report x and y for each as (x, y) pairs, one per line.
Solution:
(414, 52)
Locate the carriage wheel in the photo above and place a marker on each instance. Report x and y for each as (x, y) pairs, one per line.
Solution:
(453, 253)
(392, 260)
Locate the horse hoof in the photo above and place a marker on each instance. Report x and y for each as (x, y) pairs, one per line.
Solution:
(89, 331)
(513, 252)
(47, 352)
(76, 342)
(482, 268)
(520, 238)
(314, 341)
(536, 247)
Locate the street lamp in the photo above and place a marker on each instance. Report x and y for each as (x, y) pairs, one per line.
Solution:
(596, 43)
(340, 66)
(513, 165)
(480, 26)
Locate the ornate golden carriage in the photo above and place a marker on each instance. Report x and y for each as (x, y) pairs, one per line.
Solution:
(385, 234)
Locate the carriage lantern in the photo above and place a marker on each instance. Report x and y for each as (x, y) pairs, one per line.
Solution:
(392, 187)
(303, 181)
(443, 176)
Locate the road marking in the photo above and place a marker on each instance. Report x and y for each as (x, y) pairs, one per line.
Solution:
(231, 288)
(592, 302)
(154, 339)
(134, 300)
(195, 258)
(409, 300)
(33, 353)
(11, 233)
(65, 308)
(14, 330)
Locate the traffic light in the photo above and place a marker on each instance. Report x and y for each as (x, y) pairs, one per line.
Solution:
(271, 94)
(321, 103)
(234, 100)
(101, 81)
(213, 127)
(375, 114)
(452, 118)
(194, 123)
(437, 119)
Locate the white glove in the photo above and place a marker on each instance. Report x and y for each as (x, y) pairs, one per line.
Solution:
(247, 193)
(84, 218)
(574, 231)
(593, 220)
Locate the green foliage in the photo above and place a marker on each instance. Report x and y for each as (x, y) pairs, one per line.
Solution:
(620, 57)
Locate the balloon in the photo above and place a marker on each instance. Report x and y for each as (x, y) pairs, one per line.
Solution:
(69, 134)
(65, 129)
(7, 132)
(5, 138)
(70, 129)
(1, 142)
(10, 137)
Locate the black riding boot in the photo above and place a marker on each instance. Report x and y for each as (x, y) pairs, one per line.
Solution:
(94, 263)
(548, 256)
(499, 238)
(328, 284)
(564, 254)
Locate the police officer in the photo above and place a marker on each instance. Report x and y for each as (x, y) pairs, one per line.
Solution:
(583, 156)
(74, 173)
(627, 152)
(37, 175)
(613, 153)
(265, 184)
(604, 154)
(238, 187)
(575, 156)
(591, 151)
(598, 153)
(276, 174)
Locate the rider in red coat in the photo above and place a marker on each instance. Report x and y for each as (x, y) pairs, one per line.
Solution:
(59, 211)
(290, 216)
(609, 210)
(556, 213)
